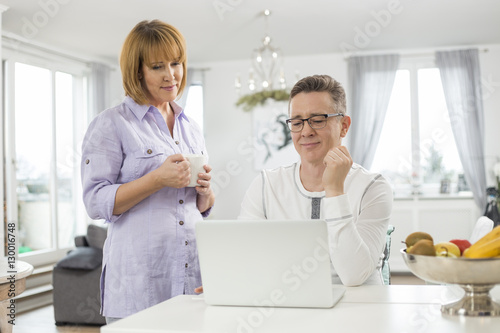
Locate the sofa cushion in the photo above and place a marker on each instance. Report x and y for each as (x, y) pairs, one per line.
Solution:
(87, 258)
(96, 236)
(81, 240)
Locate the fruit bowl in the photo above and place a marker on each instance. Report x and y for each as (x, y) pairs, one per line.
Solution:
(476, 276)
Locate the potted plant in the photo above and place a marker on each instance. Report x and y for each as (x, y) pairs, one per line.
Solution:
(250, 101)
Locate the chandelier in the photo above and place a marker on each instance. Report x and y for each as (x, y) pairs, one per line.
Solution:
(266, 72)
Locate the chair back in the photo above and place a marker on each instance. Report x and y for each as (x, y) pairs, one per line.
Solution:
(385, 269)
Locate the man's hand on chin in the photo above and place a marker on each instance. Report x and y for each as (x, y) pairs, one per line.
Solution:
(338, 162)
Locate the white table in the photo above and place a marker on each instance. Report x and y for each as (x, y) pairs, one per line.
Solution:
(12, 283)
(386, 309)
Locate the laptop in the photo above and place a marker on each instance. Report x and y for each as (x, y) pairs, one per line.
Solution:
(266, 263)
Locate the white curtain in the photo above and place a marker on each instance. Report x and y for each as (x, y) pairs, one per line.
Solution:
(371, 79)
(99, 88)
(461, 79)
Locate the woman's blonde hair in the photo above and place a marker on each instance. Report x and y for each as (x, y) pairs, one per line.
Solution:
(147, 42)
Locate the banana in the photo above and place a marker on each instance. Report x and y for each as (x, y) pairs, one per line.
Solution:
(486, 247)
(494, 233)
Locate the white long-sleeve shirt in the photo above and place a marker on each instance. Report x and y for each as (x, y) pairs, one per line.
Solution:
(357, 221)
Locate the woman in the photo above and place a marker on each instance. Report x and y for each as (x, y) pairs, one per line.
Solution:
(134, 176)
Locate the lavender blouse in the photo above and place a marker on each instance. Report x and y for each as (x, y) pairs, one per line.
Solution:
(150, 253)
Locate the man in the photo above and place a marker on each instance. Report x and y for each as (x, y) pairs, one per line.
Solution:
(355, 203)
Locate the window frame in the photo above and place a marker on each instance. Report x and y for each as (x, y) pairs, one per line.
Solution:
(413, 64)
(11, 53)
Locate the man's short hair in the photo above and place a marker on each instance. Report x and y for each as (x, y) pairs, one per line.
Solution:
(320, 83)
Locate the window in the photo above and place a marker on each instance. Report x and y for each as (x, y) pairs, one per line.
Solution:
(41, 132)
(417, 150)
(194, 103)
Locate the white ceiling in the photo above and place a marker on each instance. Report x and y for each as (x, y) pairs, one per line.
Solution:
(97, 28)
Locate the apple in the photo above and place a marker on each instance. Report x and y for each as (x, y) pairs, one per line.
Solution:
(447, 249)
(463, 244)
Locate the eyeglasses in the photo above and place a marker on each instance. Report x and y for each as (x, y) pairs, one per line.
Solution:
(316, 122)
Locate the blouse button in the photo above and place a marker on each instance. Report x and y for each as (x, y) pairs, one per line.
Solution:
(149, 151)
(87, 161)
(186, 265)
(176, 142)
(181, 222)
(181, 201)
(186, 242)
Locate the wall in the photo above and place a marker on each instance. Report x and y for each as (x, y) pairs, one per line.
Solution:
(116, 92)
(228, 129)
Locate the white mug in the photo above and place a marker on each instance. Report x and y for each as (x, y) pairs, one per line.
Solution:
(197, 162)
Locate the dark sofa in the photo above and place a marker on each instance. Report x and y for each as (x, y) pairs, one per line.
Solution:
(75, 280)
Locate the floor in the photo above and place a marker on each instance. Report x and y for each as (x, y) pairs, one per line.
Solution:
(42, 319)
